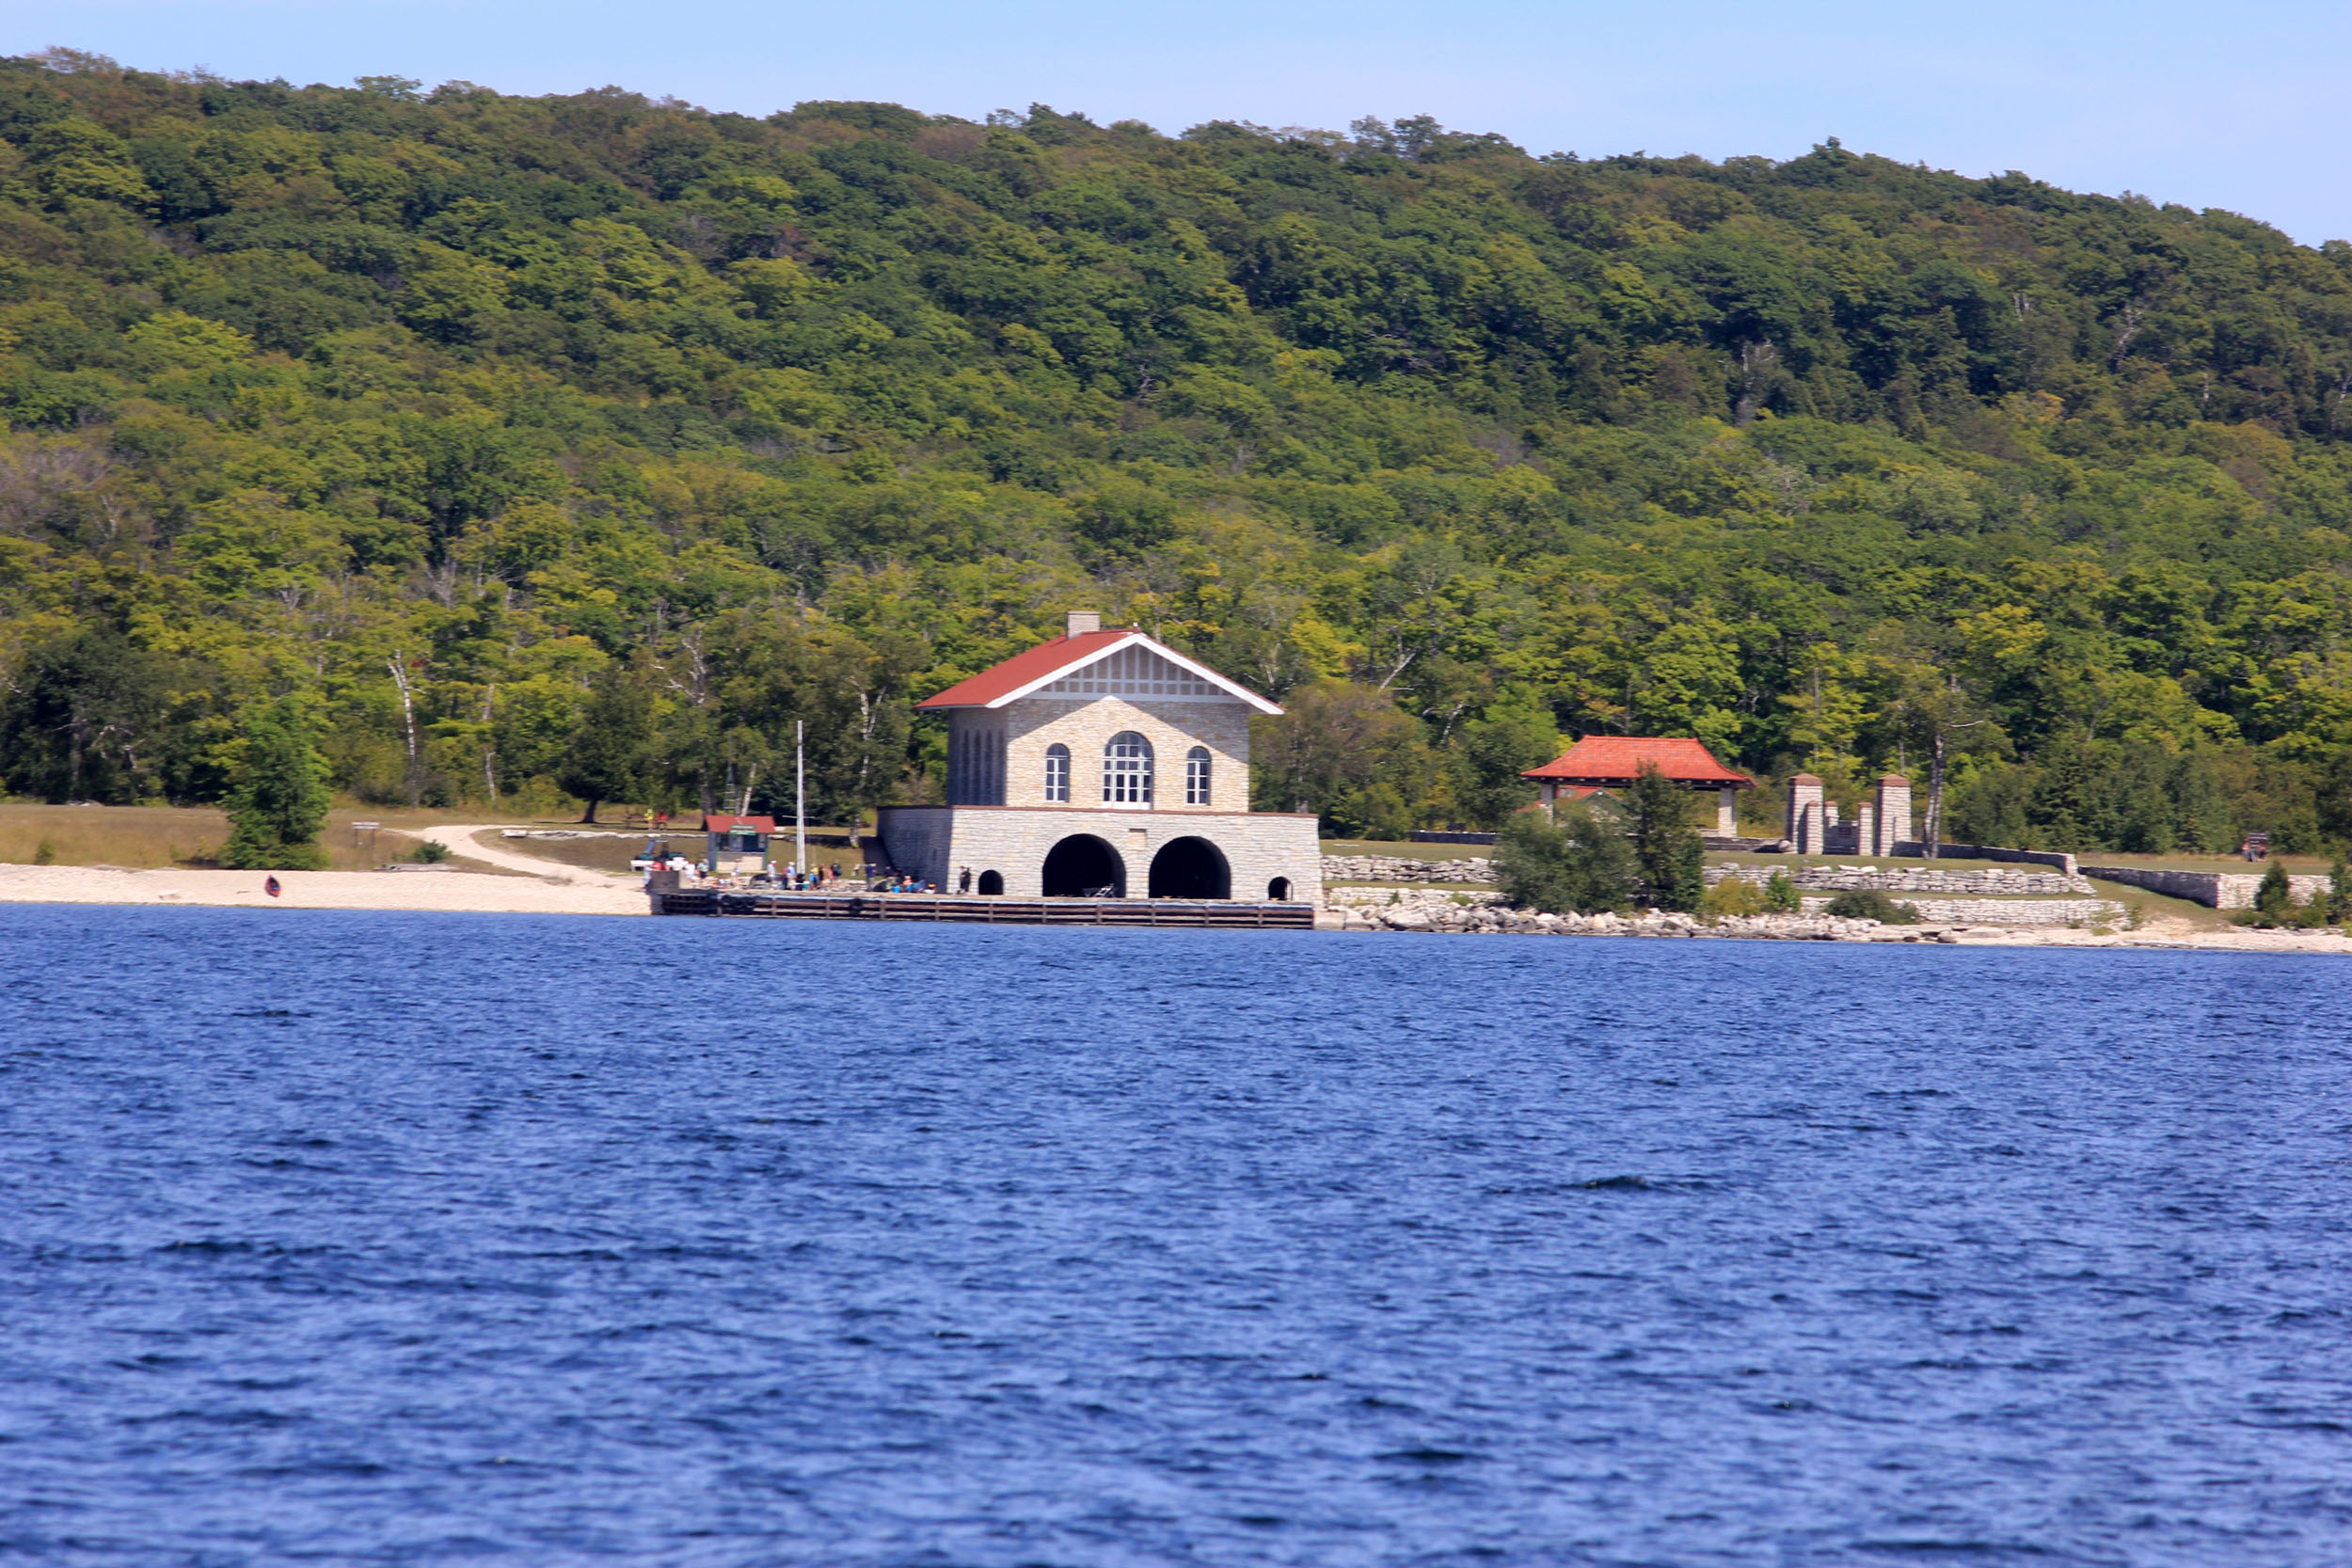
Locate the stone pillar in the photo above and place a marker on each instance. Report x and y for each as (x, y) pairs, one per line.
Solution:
(1811, 829)
(1866, 822)
(1893, 813)
(1727, 812)
(1804, 802)
(1828, 813)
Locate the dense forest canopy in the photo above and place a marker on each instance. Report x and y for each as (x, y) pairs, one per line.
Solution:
(579, 446)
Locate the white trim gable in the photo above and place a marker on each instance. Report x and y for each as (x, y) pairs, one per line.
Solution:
(1134, 639)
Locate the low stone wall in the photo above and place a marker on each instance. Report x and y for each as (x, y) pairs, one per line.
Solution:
(2216, 890)
(2004, 911)
(1989, 853)
(1426, 909)
(1851, 879)
(1396, 868)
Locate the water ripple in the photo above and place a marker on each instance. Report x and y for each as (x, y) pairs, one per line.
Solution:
(394, 1239)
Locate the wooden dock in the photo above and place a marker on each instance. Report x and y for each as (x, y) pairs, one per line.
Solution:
(1219, 914)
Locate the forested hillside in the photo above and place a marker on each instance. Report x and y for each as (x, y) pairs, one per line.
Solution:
(583, 444)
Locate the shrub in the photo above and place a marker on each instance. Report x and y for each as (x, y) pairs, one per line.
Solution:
(44, 854)
(1781, 896)
(1869, 903)
(1733, 895)
(431, 851)
(2274, 899)
(1573, 865)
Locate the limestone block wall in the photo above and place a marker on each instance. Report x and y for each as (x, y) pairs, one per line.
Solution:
(933, 842)
(1173, 725)
(1914, 848)
(1396, 868)
(1844, 879)
(2216, 890)
(2004, 911)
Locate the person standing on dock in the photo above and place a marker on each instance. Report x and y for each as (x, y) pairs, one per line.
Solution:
(964, 879)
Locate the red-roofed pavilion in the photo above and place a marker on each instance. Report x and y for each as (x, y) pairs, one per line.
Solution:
(1614, 761)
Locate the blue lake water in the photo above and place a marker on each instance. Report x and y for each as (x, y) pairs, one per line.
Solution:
(420, 1238)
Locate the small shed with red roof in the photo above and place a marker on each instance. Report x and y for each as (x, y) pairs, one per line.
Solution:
(1614, 761)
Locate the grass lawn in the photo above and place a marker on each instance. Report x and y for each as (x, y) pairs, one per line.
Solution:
(145, 838)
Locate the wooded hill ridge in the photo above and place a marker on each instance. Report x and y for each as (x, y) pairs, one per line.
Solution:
(583, 444)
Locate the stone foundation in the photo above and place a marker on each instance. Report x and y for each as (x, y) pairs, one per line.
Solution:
(934, 843)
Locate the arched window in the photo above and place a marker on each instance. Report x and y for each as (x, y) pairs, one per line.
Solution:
(1058, 773)
(1127, 771)
(1196, 776)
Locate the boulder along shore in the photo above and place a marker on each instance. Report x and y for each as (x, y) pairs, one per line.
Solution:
(1367, 911)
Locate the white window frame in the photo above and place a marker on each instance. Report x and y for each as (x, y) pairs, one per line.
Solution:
(1057, 774)
(1196, 776)
(1127, 766)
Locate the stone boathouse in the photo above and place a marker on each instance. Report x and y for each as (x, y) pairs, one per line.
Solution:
(1102, 764)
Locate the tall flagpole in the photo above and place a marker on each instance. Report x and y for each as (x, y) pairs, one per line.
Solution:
(799, 794)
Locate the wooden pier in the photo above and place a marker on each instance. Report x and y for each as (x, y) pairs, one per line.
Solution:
(1219, 914)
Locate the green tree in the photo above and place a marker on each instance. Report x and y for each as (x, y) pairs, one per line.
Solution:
(2274, 897)
(1781, 894)
(280, 798)
(1514, 733)
(1337, 741)
(84, 719)
(1669, 853)
(610, 751)
(1569, 863)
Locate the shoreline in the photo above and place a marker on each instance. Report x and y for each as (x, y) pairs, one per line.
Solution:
(569, 891)
(2162, 934)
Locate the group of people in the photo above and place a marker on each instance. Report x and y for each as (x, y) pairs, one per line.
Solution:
(899, 881)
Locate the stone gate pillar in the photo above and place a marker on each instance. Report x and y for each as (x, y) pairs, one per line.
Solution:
(1893, 813)
(1805, 815)
(1727, 812)
(1866, 827)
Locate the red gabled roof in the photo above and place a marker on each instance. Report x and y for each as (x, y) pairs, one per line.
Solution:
(1617, 759)
(1023, 668)
(1050, 659)
(726, 824)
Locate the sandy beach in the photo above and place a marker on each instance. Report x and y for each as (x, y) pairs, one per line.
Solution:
(547, 888)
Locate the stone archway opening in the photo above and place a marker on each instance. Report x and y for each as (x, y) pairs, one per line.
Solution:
(1191, 868)
(1083, 866)
(1279, 891)
(992, 883)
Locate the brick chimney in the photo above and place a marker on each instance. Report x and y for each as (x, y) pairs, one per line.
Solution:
(1084, 620)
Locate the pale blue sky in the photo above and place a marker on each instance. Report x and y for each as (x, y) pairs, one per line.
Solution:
(2207, 105)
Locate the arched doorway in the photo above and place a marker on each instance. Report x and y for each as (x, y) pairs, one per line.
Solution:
(1083, 866)
(1191, 868)
(992, 883)
(1278, 890)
